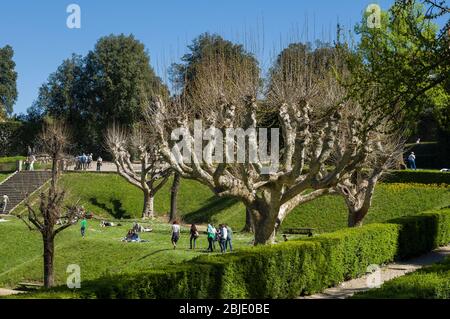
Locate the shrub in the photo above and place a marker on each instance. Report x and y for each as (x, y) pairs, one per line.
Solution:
(419, 177)
(422, 233)
(285, 270)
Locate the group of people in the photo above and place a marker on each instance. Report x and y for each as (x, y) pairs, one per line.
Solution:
(83, 162)
(29, 162)
(223, 235)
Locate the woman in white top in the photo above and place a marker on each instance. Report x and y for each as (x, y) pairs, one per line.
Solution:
(175, 234)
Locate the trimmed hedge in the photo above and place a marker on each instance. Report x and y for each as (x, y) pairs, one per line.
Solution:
(427, 283)
(420, 177)
(285, 270)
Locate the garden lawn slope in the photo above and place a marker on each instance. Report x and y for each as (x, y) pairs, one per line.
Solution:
(110, 195)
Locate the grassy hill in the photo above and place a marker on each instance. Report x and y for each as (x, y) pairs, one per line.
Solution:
(111, 197)
(99, 253)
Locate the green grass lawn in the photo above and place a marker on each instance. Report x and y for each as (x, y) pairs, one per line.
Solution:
(99, 253)
(3, 176)
(111, 197)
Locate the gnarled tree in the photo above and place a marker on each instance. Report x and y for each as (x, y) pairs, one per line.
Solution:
(153, 172)
(310, 106)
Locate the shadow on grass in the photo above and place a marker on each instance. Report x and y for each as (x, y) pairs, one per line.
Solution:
(154, 253)
(214, 206)
(116, 211)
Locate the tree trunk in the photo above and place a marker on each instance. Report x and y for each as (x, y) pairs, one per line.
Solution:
(355, 218)
(248, 228)
(173, 197)
(264, 222)
(48, 260)
(148, 210)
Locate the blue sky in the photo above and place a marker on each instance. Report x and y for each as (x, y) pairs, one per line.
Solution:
(38, 33)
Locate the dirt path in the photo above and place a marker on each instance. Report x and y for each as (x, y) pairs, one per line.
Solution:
(391, 271)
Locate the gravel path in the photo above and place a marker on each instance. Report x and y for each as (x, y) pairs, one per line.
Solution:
(391, 271)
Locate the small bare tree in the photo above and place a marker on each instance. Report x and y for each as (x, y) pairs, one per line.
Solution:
(358, 186)
(153, 173)
(51, 217)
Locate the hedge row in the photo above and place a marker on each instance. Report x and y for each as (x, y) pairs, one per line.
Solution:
(428, 283)
(420, 177)
(285, 270)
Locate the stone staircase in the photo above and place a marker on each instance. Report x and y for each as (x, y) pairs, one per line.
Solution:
(21, 184)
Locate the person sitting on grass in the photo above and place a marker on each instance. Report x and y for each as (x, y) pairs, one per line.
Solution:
(131, 236)
(175, 234)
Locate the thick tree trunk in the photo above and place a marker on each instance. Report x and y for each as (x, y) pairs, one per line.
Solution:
(148, 210)
(48, 260)
(355, 218)
(173, 197)
(264, 222)
(248, 228)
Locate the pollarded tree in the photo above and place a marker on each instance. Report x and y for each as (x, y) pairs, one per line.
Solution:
(311, 109)
(51, 217)
(153, 172)
(358, 186)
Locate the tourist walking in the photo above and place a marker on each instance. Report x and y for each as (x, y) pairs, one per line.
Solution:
(175, 234)
(229, 238)
(5, 203)
(223, 237)
(99, 164)
(83, 227)
(412, 161)
(194, 235)
(31, 161)
(211, 231)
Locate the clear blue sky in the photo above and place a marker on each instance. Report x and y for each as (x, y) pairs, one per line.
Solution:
(38, 33)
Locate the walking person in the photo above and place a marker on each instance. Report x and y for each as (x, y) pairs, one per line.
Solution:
(211, 237)
(99, 164)
(175, 234)
(229, 238)
(5, 203)
(223, 238)
(31, 161)
(412, 161)
(83, 226)
(194, 235)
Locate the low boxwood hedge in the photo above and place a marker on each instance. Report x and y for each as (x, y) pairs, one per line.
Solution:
(284, 270)
(419, 177)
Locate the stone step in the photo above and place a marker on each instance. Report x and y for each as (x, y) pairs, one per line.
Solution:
(22, 183)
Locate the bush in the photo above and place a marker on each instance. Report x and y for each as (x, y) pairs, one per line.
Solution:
(420, 234)
(427, 283)
(285, 270)
(419, 177)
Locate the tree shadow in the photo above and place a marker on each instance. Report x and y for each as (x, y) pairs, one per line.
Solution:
(214, 206)
(116, 211)
(153, 253)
